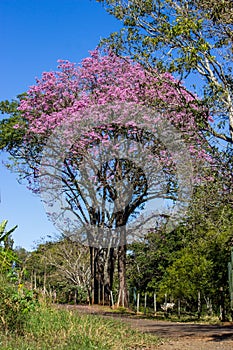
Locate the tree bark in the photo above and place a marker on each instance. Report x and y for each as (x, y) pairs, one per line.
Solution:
(111, 267)
(123, 297)
(94, 277)
(102, 264)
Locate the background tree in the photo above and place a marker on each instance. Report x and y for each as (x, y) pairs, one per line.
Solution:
(189, 263)
(149, 259)
(60, 270)
(183, 37)
(70, 269)
(188, 276)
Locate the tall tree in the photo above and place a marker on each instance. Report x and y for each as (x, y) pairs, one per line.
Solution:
(183, 37)
(81, 130)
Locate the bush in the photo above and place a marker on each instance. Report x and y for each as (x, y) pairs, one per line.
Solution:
(15, 304)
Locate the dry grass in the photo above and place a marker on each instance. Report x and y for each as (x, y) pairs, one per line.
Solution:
(67, 330)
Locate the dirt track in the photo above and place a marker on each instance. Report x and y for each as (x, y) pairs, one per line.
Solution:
(180, 336)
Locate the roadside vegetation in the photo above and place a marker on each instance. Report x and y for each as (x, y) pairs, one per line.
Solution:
(50, 328)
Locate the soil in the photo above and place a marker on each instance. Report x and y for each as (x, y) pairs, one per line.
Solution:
(175, 335)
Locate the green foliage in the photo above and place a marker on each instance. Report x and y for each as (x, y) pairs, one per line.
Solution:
(15, 300)
(5, 235)
(10, 137)
(15, 304)
(189, 273)
(148, 260)
(7, 255)
(194, 257)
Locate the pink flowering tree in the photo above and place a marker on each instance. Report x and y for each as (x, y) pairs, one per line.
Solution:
(100, 142)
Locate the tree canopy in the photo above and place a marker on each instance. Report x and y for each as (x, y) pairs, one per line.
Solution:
(71, 99)
(183, 37)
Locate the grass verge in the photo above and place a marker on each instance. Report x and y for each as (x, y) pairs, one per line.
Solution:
(49, 328)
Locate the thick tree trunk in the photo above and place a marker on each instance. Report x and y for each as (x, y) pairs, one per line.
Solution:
(102, 268)
(94, 277)
(102, 262)
(123, 296)
(111, 267)
(107, 278)
(123, 291)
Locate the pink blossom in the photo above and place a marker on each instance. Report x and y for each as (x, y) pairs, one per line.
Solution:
(16, 126)
(66, 94)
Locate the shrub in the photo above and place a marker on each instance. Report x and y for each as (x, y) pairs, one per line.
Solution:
(15, 304)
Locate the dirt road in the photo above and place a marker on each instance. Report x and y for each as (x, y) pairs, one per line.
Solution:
(178, 336)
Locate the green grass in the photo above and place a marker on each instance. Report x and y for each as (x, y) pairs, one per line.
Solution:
(50, 328)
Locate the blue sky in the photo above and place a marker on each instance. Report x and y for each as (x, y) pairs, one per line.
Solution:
(34, 35)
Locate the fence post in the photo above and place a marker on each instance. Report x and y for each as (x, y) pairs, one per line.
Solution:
(99, 292)
(199, 304)
(145, 303)
(111, 295)
(155, 304)
(103, 294)
(119, 296)
(138, 302)
(178, 308)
